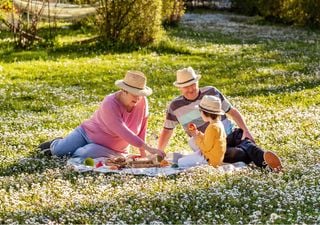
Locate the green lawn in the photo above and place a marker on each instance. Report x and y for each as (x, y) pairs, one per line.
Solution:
(270, 73)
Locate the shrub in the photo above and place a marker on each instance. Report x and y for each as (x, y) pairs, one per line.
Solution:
(172, 11)
(130, 21)
(247, 7)
(270, 9)
(6, 5)
(301, 12)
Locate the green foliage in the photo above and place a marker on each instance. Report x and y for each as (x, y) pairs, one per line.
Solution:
(6, 5)
(302, 12)
(172, 11)
(298, 12)
(247, 7)
(130, 21)
(270, 9)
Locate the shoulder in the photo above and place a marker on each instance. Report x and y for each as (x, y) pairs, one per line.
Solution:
(209, 90)
(177, 102)
(109, 100)
(144, 102)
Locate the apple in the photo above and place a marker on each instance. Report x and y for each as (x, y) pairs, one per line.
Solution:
(89, 161)
(192, 127)
(99, 164)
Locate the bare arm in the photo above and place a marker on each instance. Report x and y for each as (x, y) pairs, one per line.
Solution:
(164, 138)
(239, 120)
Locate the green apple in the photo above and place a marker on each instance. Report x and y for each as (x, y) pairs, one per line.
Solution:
(89, 161)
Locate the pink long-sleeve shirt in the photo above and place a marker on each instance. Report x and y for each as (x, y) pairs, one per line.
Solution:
(115, 128)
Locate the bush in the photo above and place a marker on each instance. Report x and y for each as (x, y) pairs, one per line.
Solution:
(130, 21)
(172, 11)
(300, 12)
(270, 9)
(247, 7)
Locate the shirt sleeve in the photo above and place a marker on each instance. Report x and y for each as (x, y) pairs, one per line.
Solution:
(206, 141)
(114, 121)
(225, 104)
(143, 130)
(212, 145)
(171, 120)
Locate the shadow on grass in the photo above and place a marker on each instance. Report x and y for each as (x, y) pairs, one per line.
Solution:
(78, 49)
(32, 163)
(112, 209)
(175, 206)
(277, 89)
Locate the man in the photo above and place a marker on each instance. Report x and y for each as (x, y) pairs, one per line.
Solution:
(182, 110)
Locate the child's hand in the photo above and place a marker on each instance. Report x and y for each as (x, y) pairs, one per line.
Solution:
(192, 127)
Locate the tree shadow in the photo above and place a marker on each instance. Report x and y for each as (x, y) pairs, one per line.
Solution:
(96, 47)
(279, 89)
(87, 211)
(33, 163)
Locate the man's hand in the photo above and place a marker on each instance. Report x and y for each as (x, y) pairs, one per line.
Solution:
(247, 134)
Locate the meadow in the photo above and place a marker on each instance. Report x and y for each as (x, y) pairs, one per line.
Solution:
(271, 73)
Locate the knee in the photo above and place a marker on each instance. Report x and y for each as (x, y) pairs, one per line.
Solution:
(58, 148)
(236, 155)
(81, 152)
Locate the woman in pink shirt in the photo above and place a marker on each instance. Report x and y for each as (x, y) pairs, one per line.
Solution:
(120, 121)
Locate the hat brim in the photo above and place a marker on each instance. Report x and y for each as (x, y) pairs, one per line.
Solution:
(197, 78)
(141, 92)
(210, 111)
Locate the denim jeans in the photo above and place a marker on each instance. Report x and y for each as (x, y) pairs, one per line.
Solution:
(245, 151)
(237, 151)
(78, 145)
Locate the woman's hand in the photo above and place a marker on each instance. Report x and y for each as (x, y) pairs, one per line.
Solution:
(142, 153)
(154, 150)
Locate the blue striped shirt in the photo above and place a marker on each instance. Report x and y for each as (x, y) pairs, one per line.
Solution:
(183, 111)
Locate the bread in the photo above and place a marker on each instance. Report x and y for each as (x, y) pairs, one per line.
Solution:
(143, 162)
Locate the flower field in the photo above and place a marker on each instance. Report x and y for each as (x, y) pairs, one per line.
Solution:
(271, 73)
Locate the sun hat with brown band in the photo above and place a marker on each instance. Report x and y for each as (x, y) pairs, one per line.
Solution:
(186, 77)
(211, 104)
(135, 83)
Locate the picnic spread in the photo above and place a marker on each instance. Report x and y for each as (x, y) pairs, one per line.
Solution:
(149, 166)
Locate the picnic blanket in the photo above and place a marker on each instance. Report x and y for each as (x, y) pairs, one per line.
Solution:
(77, 165)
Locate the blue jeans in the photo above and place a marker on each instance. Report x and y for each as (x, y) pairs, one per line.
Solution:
(78, 145)
(243, 150)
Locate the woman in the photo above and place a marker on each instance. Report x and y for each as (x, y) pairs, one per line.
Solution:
(120, 121)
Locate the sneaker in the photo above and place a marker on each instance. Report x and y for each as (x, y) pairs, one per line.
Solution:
(45, 147)
(272, 161)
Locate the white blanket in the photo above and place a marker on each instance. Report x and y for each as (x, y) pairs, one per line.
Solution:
(77, 165)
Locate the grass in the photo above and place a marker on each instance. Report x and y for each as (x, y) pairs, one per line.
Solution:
(270, 73)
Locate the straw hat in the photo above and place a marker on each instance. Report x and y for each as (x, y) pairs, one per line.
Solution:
(186, 77)
(135, 83)
(211, 104)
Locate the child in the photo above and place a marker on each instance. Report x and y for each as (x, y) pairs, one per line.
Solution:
(211, 144)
